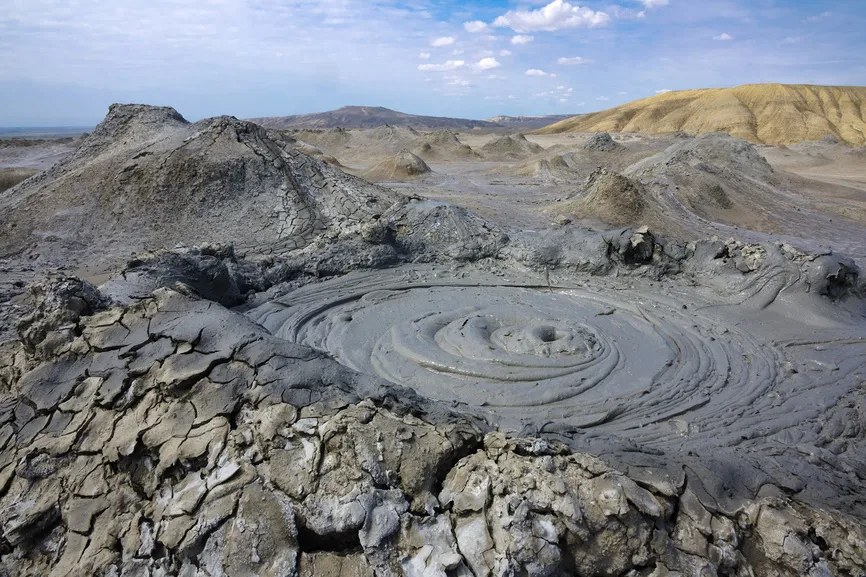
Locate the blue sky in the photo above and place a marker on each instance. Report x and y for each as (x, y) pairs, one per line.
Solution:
(62, 62)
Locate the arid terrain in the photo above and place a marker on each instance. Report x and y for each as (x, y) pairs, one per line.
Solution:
(229, 349)
(764, 113)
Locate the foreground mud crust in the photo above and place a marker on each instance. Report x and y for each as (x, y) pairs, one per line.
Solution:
(414, 391)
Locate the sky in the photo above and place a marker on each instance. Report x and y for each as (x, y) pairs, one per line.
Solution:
(63, 62)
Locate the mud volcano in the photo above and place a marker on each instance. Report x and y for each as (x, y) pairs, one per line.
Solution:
(382, 385)
(532, 356)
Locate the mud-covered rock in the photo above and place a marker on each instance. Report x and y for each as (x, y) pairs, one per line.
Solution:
(174, 436)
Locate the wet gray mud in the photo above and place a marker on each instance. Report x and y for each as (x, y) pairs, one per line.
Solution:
(648, 365)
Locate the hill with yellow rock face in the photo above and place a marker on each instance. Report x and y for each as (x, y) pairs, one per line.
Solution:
(765, 113)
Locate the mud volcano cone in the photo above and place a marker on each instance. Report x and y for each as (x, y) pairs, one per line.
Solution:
(404, 165)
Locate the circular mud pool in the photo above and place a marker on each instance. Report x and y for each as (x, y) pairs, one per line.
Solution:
(568, 358)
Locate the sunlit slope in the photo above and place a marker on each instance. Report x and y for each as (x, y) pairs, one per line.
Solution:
(766, 113)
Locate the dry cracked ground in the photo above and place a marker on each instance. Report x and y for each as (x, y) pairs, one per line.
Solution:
(331, 377)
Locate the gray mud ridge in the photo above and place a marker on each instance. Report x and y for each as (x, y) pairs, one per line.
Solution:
(417, 393)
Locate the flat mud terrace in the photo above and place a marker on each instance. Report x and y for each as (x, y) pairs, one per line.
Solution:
(334, 378)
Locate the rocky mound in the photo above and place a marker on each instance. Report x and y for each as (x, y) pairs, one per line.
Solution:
(608, 196)
(332, 140)
(402, 167)
(443, 145)
(510, 147)
(559, 166)
(767, 113)
(713, 174)
(600, 142)
(145, 178)
(10, 177)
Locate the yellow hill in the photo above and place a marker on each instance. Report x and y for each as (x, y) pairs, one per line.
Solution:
(766, 113)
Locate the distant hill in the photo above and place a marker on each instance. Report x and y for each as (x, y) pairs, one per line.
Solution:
(764, 113)
(373, 116)
(528, 122)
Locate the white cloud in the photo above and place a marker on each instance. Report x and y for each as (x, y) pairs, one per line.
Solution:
(424, 56)
(555, 16)
(475, 26)
(535, 72)
(575, 60)
(449, 65)
(793, 39)
(487, 64)
(723, 36)
(602, 98)
(505, 52)
(519, 39)
(444, 41)
(560, 87)
(512, 97)
(553, 75)
(818, 17)
(663, 91)
(456, 52)
(495, 77)
(563, 100)
(655, 3)
(625, 13)
(456, 81)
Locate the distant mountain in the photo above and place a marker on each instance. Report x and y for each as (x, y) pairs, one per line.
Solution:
(373, 116)
(528, 122)
(764, 113)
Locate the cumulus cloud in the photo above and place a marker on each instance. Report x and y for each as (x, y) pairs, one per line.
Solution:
(475, 26)
(573, 61)
(555, 16)
(449, 65)
(563, 100)
(456, 52)
(424, 56)
(505, 52)
(602, 98)
(444, 41)
(663, 91)
(518, 40)
(495, 77)
(723, 36)
(535, 72)
(655, 3)
(487, 64)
